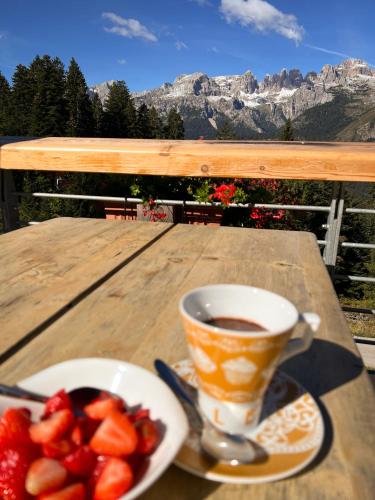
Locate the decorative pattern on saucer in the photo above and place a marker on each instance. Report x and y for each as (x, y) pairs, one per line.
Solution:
(287, 439)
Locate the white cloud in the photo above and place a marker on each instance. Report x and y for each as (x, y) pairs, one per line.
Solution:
(129, 28)
(328, 51)
(180, 45)
(122, 61)
(262, 16)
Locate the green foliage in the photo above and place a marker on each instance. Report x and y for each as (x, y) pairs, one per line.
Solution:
(4, 105)
(97, 112)
(225, 132)
(175, 126)
(156, 124)
(287, 133)
(143, 124)
(119, 118)
(48, 111)
(80, 122)
(324, 122)
(21, 101)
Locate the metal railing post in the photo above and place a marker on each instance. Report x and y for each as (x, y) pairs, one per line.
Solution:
(334, 222)
(8, 201)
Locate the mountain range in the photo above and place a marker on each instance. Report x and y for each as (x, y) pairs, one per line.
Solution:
(338, 103)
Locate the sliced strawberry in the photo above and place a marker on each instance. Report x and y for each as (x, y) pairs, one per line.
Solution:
(14, 463)
(45, 474)
(75, 491)
(148, 436)
(101, 407)
(87, 427)
(100, 464)
(81, 462)
(53, 428)
(115, 480)
(141, 414)
(14, 427)
(58, 449)
(115, 436)
(77, 436)
(59, 401)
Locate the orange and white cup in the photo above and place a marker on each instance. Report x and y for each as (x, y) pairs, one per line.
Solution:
(234, 368)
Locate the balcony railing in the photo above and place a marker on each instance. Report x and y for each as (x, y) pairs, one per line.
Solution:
(336, 162)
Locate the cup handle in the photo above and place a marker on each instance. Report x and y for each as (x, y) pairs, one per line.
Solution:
(301, 344)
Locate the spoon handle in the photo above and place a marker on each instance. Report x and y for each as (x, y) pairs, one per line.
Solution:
(173, 380)
(17, 392)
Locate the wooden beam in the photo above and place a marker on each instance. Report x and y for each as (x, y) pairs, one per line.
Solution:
(256, 159)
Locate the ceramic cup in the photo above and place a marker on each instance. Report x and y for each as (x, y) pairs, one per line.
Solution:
(234, 368)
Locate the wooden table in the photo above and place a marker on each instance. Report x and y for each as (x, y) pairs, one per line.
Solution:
(83, 287)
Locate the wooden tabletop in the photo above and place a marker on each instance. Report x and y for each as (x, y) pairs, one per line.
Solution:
(81, 287)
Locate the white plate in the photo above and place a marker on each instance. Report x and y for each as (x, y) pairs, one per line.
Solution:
(135, 384)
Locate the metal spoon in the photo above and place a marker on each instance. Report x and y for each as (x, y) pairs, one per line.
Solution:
(228, 448)
(79, 397)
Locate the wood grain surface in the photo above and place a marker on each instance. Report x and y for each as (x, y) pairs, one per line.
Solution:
(279, 160)
(45, 268)
(133, 316)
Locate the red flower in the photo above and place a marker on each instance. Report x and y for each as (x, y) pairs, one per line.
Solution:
(224, 193)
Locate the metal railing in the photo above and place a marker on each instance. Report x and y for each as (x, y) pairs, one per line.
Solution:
(330, 244)
(335, 162)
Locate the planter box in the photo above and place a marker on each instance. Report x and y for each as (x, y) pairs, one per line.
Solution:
(207, 216)
(119, 211)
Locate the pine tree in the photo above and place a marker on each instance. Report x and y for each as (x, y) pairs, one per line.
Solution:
(287, 133)
(225, 132)
(4, 105)
(97, 111)
(80, 115)
(156, 124)
(119, 118)
(143, 127)
(22, 101)
(48, 113)
(175, 126)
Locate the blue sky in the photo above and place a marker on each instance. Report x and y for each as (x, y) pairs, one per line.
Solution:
(148, 42)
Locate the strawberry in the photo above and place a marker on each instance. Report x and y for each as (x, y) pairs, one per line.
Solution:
(14, 427)
(59, 401)
(148, 436)
(45, 474)
(14, 463)
(77, 436)
(99, 467)
(53, 428)
(58, 449)
(81, 462)
(140, 414)
(87, 428)
(115, 480)
(75, 491)
(101, 407)
(115, 436)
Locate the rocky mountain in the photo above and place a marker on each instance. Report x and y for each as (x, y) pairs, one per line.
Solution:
(337, 103)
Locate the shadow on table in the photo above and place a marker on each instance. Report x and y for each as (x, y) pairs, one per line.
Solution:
(176, 484)
(324, 367)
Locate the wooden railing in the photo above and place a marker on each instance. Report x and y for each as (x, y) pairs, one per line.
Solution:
(277, 160)
(247, 159)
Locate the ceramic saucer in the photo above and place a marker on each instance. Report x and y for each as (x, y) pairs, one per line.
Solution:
(287, 439)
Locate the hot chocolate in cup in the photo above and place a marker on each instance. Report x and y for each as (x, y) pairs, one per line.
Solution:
(235, 365)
